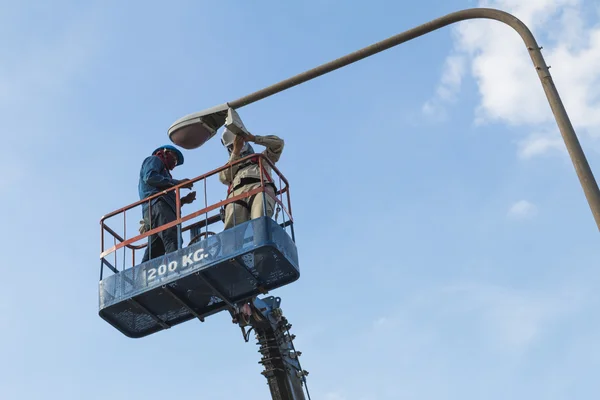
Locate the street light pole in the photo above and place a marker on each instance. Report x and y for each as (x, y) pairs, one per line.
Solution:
(582, 168)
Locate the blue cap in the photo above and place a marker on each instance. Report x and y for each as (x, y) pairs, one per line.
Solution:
(174, 150)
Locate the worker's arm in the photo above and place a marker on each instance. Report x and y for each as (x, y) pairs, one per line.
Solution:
(188, 199)
(274, 145)
(226, 176)
(152, 175)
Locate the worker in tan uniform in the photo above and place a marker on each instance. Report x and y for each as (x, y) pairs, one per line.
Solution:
(244, 177)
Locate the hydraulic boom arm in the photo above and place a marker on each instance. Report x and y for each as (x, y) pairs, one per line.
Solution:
(284, 374)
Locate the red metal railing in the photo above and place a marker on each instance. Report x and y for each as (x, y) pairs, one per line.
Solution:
(122, 242)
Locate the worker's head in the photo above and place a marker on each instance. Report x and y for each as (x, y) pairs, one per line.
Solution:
(170, 155)
(229, 137)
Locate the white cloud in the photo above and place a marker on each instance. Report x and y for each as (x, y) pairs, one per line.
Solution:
(541, 143)
(510, 91)
(454, 70)
(522, 209)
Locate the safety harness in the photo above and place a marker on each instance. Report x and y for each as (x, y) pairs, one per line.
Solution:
(248, 181)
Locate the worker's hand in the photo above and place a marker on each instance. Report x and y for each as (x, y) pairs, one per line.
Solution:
(188, 198)
(238, 143)
(188, 186)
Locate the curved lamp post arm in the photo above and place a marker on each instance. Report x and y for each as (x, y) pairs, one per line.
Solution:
(193, 130)
(473, 13)
(582, 168)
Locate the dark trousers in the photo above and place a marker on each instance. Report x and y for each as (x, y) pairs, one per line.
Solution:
(163, 242)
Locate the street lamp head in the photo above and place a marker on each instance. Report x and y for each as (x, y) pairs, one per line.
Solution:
(234, 123)
(193, 130)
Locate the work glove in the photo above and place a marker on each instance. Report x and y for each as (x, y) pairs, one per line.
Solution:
(144, 227)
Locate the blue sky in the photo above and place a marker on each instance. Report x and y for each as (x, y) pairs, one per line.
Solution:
(446, 248)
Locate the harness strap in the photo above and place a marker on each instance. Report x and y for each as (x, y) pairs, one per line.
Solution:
(247, 181)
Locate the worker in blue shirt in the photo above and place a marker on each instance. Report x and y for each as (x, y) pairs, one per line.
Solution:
(155, 176)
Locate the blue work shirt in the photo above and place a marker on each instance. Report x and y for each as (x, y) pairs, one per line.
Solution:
(154, 178)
